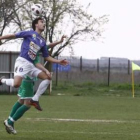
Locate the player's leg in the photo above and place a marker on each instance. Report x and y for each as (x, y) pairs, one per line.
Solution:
(21, 68)
(42, 75)
(15, 108)
(41, 89)
(20, 111)
(9, 82)
(16, 82)
(10, 126)
(25, 93)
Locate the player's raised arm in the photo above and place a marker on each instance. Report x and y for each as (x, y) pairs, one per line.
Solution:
(12, 36)
(61, 62)
(51, 45)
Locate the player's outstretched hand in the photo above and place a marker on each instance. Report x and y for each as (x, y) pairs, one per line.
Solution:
(62, 38)
(63, 62)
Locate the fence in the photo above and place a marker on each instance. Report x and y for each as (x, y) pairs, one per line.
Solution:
(100, 71)
(104, 70)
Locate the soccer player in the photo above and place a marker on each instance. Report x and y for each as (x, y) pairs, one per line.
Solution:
(25, 93)
(33, 42)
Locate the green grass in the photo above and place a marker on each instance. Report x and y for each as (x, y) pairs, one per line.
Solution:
(105, 114)
(91, 89)
(78, 112)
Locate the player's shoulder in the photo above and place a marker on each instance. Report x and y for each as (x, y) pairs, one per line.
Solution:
(31, 31)
(42, 39)
(27, 31)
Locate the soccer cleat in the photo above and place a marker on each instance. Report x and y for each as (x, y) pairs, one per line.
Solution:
(35, 104)
(9, 128)
(1, 79)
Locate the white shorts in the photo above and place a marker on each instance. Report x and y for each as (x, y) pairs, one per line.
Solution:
(25, 68)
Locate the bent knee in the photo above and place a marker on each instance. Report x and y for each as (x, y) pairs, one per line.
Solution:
(17, 85)
(48, 78)
(17, 81)
(44, 76)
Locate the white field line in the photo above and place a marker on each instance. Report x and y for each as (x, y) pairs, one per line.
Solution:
(78, 132)
(81, 120)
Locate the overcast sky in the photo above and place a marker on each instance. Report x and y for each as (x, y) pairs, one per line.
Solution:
(122, 36)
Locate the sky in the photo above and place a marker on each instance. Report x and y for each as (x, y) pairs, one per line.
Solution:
(122, 34)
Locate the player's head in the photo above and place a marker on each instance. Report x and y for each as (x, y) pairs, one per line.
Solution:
(38, 24)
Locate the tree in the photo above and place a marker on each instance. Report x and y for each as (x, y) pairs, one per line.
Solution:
(8, 15)
(68, 15)
(62, 16)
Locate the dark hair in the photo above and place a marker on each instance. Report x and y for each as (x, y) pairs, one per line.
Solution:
(35, 21)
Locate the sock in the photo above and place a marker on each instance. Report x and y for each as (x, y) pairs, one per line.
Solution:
(41, 89)
(18, 114)
(8, 82)
(15, 108)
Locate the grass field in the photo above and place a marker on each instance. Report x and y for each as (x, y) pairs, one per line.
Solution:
(68, 117)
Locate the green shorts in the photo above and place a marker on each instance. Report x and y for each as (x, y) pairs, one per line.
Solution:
(26, 90)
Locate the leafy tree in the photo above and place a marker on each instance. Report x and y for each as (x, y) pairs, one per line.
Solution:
(8, 16)
(61, 16)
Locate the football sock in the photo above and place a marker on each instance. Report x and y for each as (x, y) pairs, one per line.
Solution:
(8, 82)
(18, 114)
(15, 108)
(41, 89)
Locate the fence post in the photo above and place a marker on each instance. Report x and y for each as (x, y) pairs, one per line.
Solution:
(50, 86)
(10, 70)
(109, 71)
(98, 65)
(56, 82)
(128, 66)
(81, 63)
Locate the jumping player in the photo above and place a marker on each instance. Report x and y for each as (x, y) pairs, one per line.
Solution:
(25, 93)
(32, 44)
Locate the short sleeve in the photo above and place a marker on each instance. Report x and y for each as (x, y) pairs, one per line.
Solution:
(22, 34)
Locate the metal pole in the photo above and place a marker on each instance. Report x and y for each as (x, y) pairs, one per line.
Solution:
(109, 71)
(81, 63)
(128, 66)
(56, 73)
(10, 70)
(98, 65)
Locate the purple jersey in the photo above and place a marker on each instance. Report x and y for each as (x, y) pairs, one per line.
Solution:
(31, 45)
